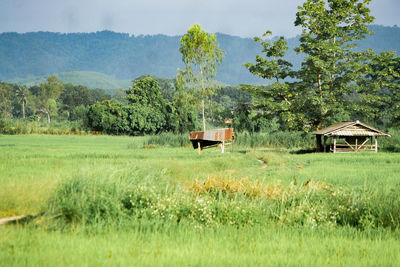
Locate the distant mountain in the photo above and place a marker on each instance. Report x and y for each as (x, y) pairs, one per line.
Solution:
(90, 79)
(122, 57)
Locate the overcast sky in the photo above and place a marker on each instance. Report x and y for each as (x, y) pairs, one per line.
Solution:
(245, 18)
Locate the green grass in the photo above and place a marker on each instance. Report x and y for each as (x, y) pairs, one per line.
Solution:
(229, 246)
(102, 172)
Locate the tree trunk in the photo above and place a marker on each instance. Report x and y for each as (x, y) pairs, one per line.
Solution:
(319, 142)
(202, 112)
(23, 109)
(48, 117)
(202, 101)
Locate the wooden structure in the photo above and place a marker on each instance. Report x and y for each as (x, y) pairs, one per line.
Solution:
(352, 136)
(210, 138)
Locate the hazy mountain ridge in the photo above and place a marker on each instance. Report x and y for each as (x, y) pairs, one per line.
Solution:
(125, 57)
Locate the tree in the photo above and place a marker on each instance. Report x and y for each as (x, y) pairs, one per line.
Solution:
(6, 98)
(200, 50)
(149, 111)
(379, 96)
(47, 95)
(185, 116)
(22, 94)
(279, 99)
(109, 117)
(75, 96)
(331, 71)
(331, 66)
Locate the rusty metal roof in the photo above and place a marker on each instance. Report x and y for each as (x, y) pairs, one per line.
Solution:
(213, 135)
(350, 128)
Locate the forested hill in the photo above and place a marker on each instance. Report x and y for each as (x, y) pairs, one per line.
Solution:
(126, 57)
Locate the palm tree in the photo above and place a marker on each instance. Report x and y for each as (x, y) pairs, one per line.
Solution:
(22, 93)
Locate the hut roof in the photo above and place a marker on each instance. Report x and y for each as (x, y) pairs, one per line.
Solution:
(350, 128)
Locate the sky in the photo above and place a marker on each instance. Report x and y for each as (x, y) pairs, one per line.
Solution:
(244, 18)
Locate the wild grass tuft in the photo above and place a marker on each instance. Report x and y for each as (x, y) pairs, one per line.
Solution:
(214, 202)
(229, 186)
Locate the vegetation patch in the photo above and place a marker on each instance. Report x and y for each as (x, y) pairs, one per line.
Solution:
(215, 202)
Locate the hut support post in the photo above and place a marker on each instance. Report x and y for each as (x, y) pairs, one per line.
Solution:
(199, 147)
(319, 142)
(223, 147)
(334, 144)
(325, 137)
(376, 143)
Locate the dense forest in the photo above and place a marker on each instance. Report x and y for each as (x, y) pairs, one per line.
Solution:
(125, 57)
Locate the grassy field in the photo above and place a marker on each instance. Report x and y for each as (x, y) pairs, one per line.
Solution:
(107, 200)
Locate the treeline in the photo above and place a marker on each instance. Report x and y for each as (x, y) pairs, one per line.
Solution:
(48, 101)
(151, 105)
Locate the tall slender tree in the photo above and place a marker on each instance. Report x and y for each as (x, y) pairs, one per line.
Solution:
(200, 51)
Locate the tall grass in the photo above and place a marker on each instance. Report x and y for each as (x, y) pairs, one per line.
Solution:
(288, 140)
(186, 246)
(107, 204)
(161, 140)
(216, 202)
(14, 127)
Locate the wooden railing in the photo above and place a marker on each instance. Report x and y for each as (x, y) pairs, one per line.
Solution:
(352, 147)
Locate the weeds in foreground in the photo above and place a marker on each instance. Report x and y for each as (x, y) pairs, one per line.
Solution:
(217, 202)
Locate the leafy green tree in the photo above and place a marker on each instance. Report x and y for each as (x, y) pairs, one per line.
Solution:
(149, 111)
(109, 117)
(75, 96)
(331, 71)
(379, 96)
(200, 50)
(331, 67)
(185, 116)
(6, 99)
(280, 99)
(46, 96)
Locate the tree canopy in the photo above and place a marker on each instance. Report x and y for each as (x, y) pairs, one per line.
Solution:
(333, 73)
(200, 50)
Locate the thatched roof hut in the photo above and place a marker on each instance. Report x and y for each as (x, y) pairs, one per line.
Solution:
(350, 136)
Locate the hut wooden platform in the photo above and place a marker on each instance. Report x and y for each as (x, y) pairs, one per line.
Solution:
(351, 136)
(211, 138)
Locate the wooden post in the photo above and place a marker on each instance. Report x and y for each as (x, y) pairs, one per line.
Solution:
(319, 141)
(370, 139)
(222, 147)
(376, 143)
(334, 144)
(199, 147)
(356, 144)
(325, 143)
